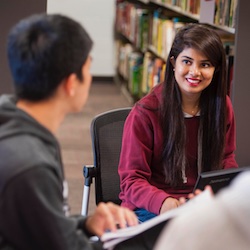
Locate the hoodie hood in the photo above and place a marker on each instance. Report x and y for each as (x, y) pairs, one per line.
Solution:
(30, 143)
(14, 121)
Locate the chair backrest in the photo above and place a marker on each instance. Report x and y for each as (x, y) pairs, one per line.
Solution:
(106, 132)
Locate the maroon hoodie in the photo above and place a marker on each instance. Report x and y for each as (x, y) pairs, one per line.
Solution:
(140, 168)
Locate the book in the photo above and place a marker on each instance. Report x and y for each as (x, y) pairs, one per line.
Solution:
(142, 30)
(111, 239)
(135, 60)
(234, 13)
(157, 69)
(168, 37)
(124, 50)
(155, 24)
(146, 71)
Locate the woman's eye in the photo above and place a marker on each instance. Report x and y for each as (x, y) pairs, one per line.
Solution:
(206, 65)
(186, 61)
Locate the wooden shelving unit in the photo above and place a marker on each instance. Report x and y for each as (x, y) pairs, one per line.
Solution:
(240, 94)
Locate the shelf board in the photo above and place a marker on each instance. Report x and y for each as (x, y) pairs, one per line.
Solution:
(152, 49)
(187, 14)
(144, 1)
(224, 28)
(177, 10)
(121, 83)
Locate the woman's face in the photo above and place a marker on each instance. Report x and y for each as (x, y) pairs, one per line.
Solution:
(193, 71)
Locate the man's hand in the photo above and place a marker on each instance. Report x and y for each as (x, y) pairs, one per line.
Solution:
(108, 216)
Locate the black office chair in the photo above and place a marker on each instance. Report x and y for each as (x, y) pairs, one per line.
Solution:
(106, 133)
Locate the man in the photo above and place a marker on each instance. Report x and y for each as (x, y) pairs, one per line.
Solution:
(50, 64)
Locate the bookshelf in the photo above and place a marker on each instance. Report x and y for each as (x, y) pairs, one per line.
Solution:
(238, 29)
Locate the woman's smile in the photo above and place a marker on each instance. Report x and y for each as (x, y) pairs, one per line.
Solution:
(193, 82)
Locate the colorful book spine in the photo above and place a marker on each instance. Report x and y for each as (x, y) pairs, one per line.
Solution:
(225, 11)
(135, 73)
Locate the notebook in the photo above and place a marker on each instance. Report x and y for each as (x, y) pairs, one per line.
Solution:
(219, 178)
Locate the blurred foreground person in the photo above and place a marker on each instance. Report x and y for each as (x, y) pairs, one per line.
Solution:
(222, 223)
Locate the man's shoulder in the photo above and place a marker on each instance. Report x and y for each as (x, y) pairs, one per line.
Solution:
(23, 153)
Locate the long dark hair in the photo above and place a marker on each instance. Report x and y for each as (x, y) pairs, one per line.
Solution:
(212, 128)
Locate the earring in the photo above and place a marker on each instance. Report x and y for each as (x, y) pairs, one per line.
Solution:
(173, 69)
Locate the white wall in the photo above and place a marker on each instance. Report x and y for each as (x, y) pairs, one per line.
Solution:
(97, 16)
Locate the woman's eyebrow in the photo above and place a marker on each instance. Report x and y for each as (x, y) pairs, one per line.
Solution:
(190, 58)
(187, 57)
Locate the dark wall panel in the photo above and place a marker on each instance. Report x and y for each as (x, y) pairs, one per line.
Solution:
(12, 11)
(241, 84)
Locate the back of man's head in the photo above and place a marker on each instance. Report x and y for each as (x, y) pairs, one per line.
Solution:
(43, 50)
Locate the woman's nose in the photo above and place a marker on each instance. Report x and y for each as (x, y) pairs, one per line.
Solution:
(194, 70)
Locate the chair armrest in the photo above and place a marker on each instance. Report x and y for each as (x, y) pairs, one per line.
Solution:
(89, 172)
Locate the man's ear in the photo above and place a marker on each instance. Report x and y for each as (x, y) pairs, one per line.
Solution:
(70, 85)
(172, 60)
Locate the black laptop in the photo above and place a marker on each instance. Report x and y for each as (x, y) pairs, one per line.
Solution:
(219, 178)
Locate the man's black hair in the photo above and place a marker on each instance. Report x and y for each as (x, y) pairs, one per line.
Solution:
(43, 50)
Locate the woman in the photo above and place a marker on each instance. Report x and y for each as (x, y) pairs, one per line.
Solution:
(183, 127)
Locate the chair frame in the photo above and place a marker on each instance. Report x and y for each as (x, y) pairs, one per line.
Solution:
(114, 118)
